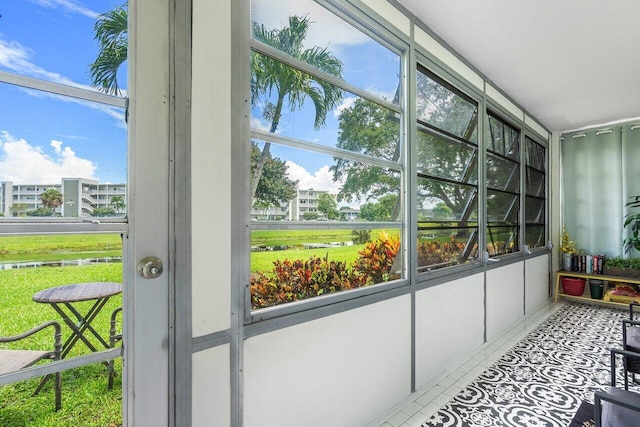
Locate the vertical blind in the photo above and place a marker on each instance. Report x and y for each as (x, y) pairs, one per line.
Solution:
(600, 173)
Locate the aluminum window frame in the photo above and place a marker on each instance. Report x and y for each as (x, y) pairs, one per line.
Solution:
(363, 22)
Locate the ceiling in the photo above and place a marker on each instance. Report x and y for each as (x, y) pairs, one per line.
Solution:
(569, 63)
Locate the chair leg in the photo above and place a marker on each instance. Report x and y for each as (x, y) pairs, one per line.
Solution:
(58, 392)
(112, 374)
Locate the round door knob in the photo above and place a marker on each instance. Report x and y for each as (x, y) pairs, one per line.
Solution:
(150, 267)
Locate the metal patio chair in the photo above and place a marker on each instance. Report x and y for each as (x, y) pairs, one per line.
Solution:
(617, 407)
(631, 342)
(14, 360)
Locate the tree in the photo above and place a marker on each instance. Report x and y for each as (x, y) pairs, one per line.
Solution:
(370, 129)
(273, 78)
(41, 211)
(441, 211)
(18, 209)
(112, 35)
(118, 203)
(104, 212)
(275, 187)
(380, 211)
(328, 206)
(51, 198)
(309, 216)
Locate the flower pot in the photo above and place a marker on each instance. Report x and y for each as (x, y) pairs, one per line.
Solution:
(566, 261)
(573, 286)
(596, 288)
(629, 272)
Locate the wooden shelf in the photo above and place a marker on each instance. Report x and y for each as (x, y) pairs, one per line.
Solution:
(586, 296)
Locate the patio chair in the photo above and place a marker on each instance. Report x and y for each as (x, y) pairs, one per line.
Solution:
(631, 342)
(114, 337)
(617, 407)
(14, 360)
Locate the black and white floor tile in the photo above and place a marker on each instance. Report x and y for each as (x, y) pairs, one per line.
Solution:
(543, 379)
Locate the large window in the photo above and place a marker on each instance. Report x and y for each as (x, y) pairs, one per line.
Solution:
(326, 155)
(447, 168)
(503, 186)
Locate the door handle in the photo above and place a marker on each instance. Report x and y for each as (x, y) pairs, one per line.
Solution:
(150, 267)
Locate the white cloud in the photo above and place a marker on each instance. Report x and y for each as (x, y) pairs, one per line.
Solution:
(345, 104)
(23, 163)
(118, 114)
(67, 5)
(56, 145)
(322, 179)
(259, 124)
(17, 58)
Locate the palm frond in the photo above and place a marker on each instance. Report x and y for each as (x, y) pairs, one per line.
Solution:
(111, 33)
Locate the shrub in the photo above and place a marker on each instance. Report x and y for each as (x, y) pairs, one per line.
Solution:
(435, 252)
(376, 259)
(297, 280)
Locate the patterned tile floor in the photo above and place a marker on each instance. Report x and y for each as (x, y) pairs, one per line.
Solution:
(536, 374)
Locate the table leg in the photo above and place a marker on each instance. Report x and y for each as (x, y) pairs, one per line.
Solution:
(77, 332)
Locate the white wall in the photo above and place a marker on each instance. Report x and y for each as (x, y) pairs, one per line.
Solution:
(536, 285)
(342, 370)
(505, 297)
(449, 325)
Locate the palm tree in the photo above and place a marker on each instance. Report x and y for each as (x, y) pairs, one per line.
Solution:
(51, 198)
(111, 33)
(118, 203)
(269, 75)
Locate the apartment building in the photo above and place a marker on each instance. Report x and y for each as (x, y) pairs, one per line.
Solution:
(80, 197)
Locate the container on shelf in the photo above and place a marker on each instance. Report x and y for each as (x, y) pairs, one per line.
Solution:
(596, 288)
(573, 286)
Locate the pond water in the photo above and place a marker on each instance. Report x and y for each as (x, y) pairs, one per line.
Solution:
(65, 263)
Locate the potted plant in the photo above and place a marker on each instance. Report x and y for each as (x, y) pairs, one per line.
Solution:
(632, 220)
(567, 249)
(623, 267)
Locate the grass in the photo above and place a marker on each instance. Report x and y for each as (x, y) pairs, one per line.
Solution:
(59, 247)
(263, 261)
(298, 237)
(86, 400)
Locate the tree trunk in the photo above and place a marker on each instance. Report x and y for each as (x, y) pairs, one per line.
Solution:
(255, 180)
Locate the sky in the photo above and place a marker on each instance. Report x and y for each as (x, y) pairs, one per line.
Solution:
(45, 137)
(366, 64)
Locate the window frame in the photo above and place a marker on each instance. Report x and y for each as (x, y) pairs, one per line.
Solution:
(360, 21)
(463, 90)
(507, 120)
(536, 138)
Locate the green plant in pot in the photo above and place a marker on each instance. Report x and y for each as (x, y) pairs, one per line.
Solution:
(624, 267)
(632, 221)
(567, 249)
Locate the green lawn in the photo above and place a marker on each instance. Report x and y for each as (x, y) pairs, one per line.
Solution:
(59, 247)
(86, 401)
(263, 261)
